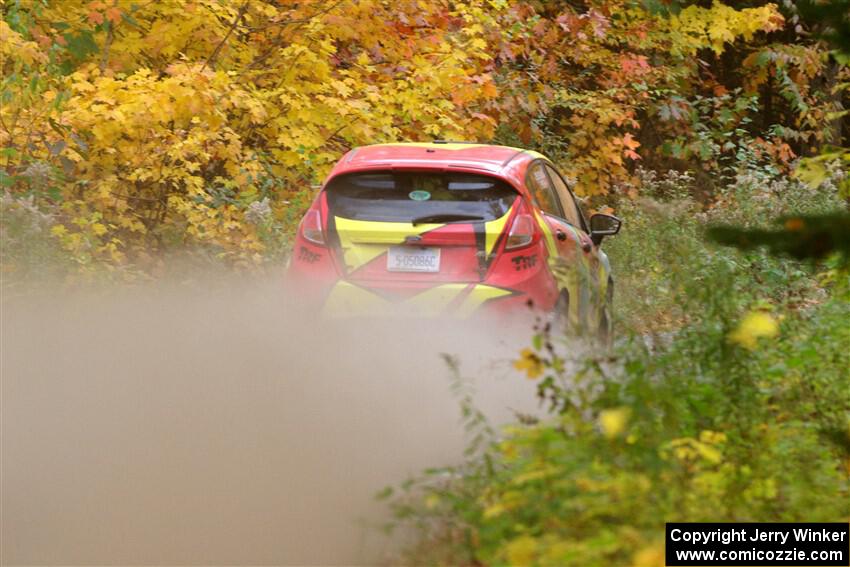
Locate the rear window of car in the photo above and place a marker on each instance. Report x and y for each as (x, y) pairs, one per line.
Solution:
(408, 196)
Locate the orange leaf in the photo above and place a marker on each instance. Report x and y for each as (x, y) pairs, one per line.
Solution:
(489, 90)
(630, 142)
(95, 18)
(114, 15)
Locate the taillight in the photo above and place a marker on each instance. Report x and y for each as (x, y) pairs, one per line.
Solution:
(521, 233)
(311, 227)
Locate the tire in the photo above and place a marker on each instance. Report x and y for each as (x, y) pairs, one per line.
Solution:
(606, 322)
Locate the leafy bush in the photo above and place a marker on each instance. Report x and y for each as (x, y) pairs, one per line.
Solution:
(733, 405)
(26, 247)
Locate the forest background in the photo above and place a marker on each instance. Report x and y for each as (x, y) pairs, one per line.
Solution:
(140, 128)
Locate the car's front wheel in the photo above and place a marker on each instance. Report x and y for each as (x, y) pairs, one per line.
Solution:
(606, 321)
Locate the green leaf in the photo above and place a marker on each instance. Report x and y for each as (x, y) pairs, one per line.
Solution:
(385, 493)
(127, 17)
(9, 152)
(55, 194)
(80, 45)
(6, 180)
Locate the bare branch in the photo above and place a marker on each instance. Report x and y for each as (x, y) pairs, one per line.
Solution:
(110, 35)
(211, 59)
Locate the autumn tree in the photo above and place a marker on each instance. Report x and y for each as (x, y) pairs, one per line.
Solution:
(203, 123)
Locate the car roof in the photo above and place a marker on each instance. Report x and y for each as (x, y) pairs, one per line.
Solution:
(502, 161)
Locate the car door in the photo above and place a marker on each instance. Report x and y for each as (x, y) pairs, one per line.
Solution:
(594, 258)
(568, 257)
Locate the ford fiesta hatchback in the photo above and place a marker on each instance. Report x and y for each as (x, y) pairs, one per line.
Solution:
(452, 229)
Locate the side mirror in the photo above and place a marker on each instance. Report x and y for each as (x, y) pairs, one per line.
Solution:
(602, 225)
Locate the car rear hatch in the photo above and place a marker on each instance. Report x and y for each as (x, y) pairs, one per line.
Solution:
(417, 226)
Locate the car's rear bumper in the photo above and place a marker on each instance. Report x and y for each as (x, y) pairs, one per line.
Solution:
(460, 300)
(510, 288)
(457, 300)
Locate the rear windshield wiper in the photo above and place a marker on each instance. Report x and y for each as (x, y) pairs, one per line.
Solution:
(445, 218)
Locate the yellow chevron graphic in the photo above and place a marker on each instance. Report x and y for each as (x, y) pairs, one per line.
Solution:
(493, 229)
(347, 300)
(363, 241)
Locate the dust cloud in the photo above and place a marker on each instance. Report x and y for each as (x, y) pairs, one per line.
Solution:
(223, 424)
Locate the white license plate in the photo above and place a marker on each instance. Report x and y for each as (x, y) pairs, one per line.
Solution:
(412, 259)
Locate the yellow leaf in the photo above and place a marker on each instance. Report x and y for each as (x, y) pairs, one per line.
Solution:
(651, 556)
(529, 363)
(493, 511)
(613, 421)
(521, 551)
(432, 501)
(755, 325)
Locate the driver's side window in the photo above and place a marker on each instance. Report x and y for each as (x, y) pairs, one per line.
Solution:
(572, 214)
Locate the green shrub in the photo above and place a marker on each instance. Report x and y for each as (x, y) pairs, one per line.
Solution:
(733, 404)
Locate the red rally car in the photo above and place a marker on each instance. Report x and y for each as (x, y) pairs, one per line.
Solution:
(453, 229)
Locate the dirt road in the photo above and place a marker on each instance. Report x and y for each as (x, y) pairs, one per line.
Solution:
(172, 425)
